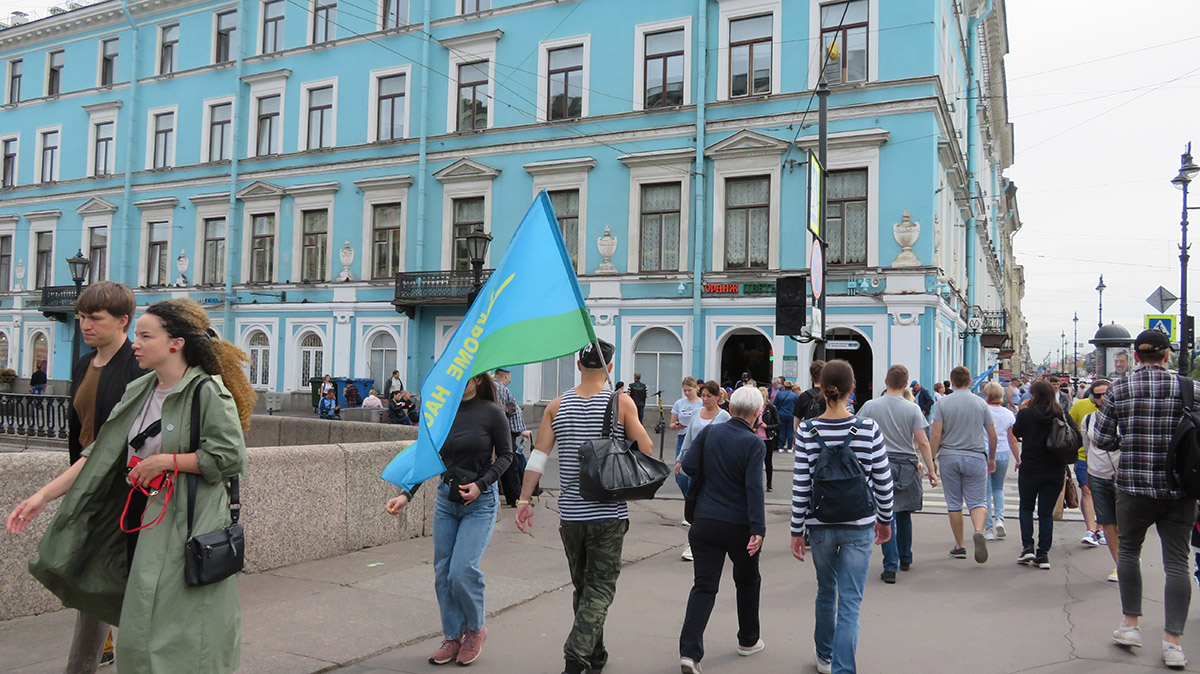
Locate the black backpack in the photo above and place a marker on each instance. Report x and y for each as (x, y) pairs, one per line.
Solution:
(1183, 454)
(840, 491)
(809, 405)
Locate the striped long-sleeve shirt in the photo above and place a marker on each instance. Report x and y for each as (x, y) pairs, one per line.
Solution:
(867, 445)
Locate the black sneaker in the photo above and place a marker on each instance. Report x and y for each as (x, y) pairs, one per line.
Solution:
(1027, 557)
(1043, 561)
(958, 553)
(905, 566)
(888, 577)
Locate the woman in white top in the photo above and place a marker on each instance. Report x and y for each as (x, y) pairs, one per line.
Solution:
(681, 415)
(709, 412)
(1006, 447)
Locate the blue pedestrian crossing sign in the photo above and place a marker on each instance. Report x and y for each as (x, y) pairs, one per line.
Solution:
(1164, 324)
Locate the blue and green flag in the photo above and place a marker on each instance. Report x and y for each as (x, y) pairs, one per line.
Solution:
(530, 310)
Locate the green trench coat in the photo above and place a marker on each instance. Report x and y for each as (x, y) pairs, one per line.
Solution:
(166, 626)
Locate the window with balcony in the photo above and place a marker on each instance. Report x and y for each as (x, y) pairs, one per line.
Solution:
(272, 26)
(54, 70)
(262, 248)
(659, 247)
(473, 96)
(324, 20)
(226, 33)
(268, 126)
(664, 69)
(98, 254)
(320, 118)
(10, 163)
(390, 107)
(747, 222)
(44, 260)
(6, 246)
(468, 217)
(564, 96)
(50, 149)
(105, 150)
(846, 217)
(15, 68)
(108, 61)
(395, 13)
(220, 132)
(566, 209)
(168, 49)
(215, 233)
(157, 253)
(844, 39)
(750, 56)
(385, 241)
(315, 246)
(164, 140)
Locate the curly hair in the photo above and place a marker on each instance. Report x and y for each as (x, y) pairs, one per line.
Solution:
(187, 320)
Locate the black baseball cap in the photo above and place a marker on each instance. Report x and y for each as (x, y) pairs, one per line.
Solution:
(1152, 341)
(589, 357)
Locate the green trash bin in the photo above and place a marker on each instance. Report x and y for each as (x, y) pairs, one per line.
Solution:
(315, 383)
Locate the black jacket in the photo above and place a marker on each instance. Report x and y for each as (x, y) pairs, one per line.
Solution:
(726, 463)
(122, 369)
(1032, 428)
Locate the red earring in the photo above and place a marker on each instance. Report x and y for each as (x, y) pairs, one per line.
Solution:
(173, 349)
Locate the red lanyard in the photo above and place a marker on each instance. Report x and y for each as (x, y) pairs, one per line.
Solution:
(170, 489)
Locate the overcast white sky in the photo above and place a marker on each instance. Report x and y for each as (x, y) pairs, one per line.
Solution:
(1096, 146)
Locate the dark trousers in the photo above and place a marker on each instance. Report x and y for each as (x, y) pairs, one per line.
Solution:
(1174, 519)
(511, 478)
(1042, 488)
(594, 557)
(711, 541)
(772, 445)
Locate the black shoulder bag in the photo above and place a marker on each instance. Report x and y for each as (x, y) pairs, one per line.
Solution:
(611, 470)
(212, 557)
(692, 499)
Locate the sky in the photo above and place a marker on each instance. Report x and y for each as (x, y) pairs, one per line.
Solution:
(1103, 97)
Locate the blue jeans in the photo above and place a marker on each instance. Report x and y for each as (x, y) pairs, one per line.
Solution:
(680, 479)
(899, 546)
(460, 535)
(842, 558)
(786, 431)
(995, 493)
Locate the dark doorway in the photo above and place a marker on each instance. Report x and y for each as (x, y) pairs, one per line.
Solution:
(746, 352)
(860, 360)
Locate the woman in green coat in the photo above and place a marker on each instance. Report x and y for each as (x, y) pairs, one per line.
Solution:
(136, 580)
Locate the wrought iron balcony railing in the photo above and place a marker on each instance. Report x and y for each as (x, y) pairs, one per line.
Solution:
(995, 329)
(42, 416)
(58, 300)
(424, 288)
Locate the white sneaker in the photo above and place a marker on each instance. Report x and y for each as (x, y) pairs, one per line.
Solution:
(822, 666)
(1112, 577)
(989, 534)
(687, 555)
(1173, 656)
(1128, 636)
(751, 650)
(1089, 539)
(1000, 532)
(685, 523)
(689, 666)
(1101, 539)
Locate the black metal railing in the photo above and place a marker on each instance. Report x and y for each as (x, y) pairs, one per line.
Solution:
(995, 322)
(58, 299)
(41, 416)
(419, 288)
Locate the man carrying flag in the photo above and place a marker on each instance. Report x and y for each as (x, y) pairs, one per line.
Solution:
(592, 532)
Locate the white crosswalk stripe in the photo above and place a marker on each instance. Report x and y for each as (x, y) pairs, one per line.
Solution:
(934, 501)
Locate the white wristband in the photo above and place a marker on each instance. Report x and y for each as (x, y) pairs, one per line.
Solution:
(537, 461)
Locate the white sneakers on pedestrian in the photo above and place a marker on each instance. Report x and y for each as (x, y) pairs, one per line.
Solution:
(1089, 539)
(751, 650)
(981, 551)
(1128, 636)
(1112, 577)
(989, 534)
(1173, 657)
(687, 555)
(685, 523)
(1101, 539)
(1000, 532)
(689, 666)
(823, 667)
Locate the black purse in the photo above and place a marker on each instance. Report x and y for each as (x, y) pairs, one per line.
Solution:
(696, 485)
(212, 557)
(611, 470)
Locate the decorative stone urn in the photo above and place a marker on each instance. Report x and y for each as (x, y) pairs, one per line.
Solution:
(19, 285)
(181, 263)
(607, 245)
(346, 255)
(906, 232)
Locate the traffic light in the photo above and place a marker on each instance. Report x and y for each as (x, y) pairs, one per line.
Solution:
(791, 302)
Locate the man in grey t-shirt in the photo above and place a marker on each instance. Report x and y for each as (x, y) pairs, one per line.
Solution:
(966, 461)
(903, 425)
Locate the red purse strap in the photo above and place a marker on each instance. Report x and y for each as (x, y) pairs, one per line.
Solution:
(166, 501)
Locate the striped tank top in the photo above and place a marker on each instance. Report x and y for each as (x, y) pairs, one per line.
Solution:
(579, 419)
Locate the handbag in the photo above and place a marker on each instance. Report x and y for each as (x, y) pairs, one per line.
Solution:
(692, 498)
(612, 470)
(1071, 493)
(1063, 441)
(212, 557)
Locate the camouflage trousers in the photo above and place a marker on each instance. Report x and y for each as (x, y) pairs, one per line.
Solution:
(594, 557)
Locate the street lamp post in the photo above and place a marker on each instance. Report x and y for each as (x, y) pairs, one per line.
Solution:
(1100, 316)
(79, 266)
(1063, 351)
(1187, 172)
(477, 246)
(1075, 359)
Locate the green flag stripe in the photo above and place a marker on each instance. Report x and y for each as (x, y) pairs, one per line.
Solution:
(534, 341)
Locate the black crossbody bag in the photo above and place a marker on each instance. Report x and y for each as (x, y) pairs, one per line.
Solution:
(212, 557)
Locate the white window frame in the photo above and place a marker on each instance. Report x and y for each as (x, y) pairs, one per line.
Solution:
(639, 58)
(814, 29)
(470, 49)
(17, 164)
(858, 150)
(460, 7)
(742, 164)
(100, 58)
(41, 222)
(381, 19)
(313, 197)
(296, 330)
(233, 48)
(245, 328)
(650, 168)
(368, 330)
(46, 72)
(567, 174)
(302, 141)
(206, 207)
(252, 206)
(264, 85)
(173, 156)
(311, 11)
(544, 49)
(101, 113)
(97, 213)
(261, 15)
(37, 159)
(205, 136)
(175, 53)
(463, 187)
(8, 80)
(8, 227)
(269, 361)
(731, 10)
(373, 98)
(154, 210)
(377, 191)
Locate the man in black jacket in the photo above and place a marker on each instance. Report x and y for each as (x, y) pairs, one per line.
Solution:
(98, 380)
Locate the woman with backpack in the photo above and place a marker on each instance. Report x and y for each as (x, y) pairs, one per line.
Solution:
(1042, 471)
(842, 507)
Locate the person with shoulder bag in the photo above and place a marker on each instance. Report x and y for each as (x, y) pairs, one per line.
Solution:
(165, 462)
(767, 429)
(1049, 442)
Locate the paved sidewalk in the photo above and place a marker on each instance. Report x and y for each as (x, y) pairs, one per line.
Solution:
(374, 611)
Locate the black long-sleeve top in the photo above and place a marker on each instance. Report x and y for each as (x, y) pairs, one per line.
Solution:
(730, 457)
(479, 442)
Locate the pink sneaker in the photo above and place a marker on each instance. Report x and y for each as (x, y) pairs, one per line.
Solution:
(472, 646)
(446, 653)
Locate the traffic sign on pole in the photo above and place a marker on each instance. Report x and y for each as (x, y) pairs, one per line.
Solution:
(1162, 299)
(1164, 324)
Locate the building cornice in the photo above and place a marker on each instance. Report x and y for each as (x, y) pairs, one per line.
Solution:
(559, 166)
(384, 183)
(162, 203)
(313, 189)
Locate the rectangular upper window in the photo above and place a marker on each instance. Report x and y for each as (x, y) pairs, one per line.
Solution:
(44, 262)
(108, 61)
(664, 69)
(750, 55)
(846, 217)
(468, 217)
(844, 40)
(395, 13)
(6, 246)
(469, 6)
(226, 33)
(747, 222)
(164, 140)
(660, 216)
(272, 26)
(15, 68)
(268, 126)
(324, 20)
(220, 134)
(98, 254)
(320, 118)
(157, 254)
(564, 95)
(10, 163)
(385, 241)
(105, 151)
(215, 231)
(473, 96)
(390, 107)
(566, 209)
(168, 49)
(314, 246)
(262, 248)
(50, 154)
(54, 71)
